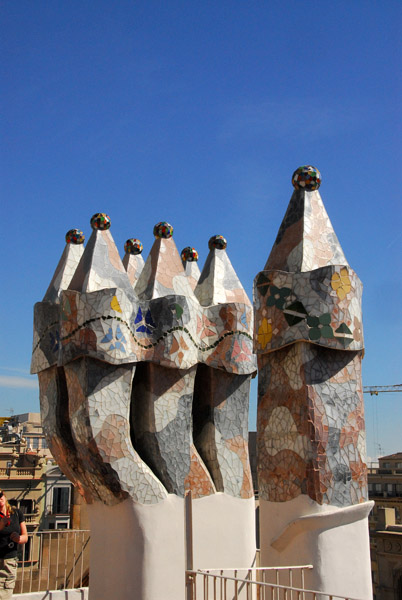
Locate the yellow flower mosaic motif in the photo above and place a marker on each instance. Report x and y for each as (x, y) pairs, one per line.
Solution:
(115, 305)
(340, 282)
(264, 334)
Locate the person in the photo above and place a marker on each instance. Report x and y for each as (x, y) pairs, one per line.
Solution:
(13, 531)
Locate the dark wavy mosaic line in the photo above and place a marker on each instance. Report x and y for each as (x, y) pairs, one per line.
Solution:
(147, 346)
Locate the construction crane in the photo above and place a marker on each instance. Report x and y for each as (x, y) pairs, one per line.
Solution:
(374, 390)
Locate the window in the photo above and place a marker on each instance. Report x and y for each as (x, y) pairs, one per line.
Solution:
(44, 443)
(35, 443)
(61, 498)
(378, 487)
(26, 507)
(370, 487)
(389, 488)
(62, 525)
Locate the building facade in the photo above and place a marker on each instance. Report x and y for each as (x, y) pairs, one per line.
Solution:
(31, 479)
(385, 522)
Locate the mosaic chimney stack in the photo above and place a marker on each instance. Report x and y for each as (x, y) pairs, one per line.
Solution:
(133, 261)
(221, 396)
(123, 351)
(310, 424)
(163, 394)
(189, 257)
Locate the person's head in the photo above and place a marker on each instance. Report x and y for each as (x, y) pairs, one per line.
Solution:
(5, 507)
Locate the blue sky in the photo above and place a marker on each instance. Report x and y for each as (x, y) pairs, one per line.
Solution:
(198, 113)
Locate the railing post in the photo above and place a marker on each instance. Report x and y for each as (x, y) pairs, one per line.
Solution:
(188, 540)
(48, 560)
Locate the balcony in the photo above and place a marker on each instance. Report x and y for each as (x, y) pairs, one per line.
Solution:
(32, 519)
(21, 473)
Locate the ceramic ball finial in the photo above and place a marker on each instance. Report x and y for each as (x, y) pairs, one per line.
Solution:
(75, 236)
(189, 254)
(100, 221)
(218, 242)
(306, 178)
(163, 230)
(133, 246)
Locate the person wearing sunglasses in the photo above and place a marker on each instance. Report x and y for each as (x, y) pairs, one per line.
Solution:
(13, 531)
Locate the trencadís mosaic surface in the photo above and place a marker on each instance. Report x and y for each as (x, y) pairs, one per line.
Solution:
(125, 349)
(309, 341)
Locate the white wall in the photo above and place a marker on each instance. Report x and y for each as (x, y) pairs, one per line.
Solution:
(138, 551)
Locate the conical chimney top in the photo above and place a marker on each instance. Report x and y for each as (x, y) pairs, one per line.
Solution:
(218, 282)
(163, 272)
(67, 265)
(189, 257)
(132, 260)
(306, 239)
(100, 266)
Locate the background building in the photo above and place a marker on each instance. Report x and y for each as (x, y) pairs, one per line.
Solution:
(385, 522)
(31, 479)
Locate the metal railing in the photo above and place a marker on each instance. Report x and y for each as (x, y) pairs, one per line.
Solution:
(53, 560)
(243, 583)
(256, 584)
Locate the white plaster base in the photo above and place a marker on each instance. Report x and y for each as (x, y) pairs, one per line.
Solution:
(334, 540)
(138, 551)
